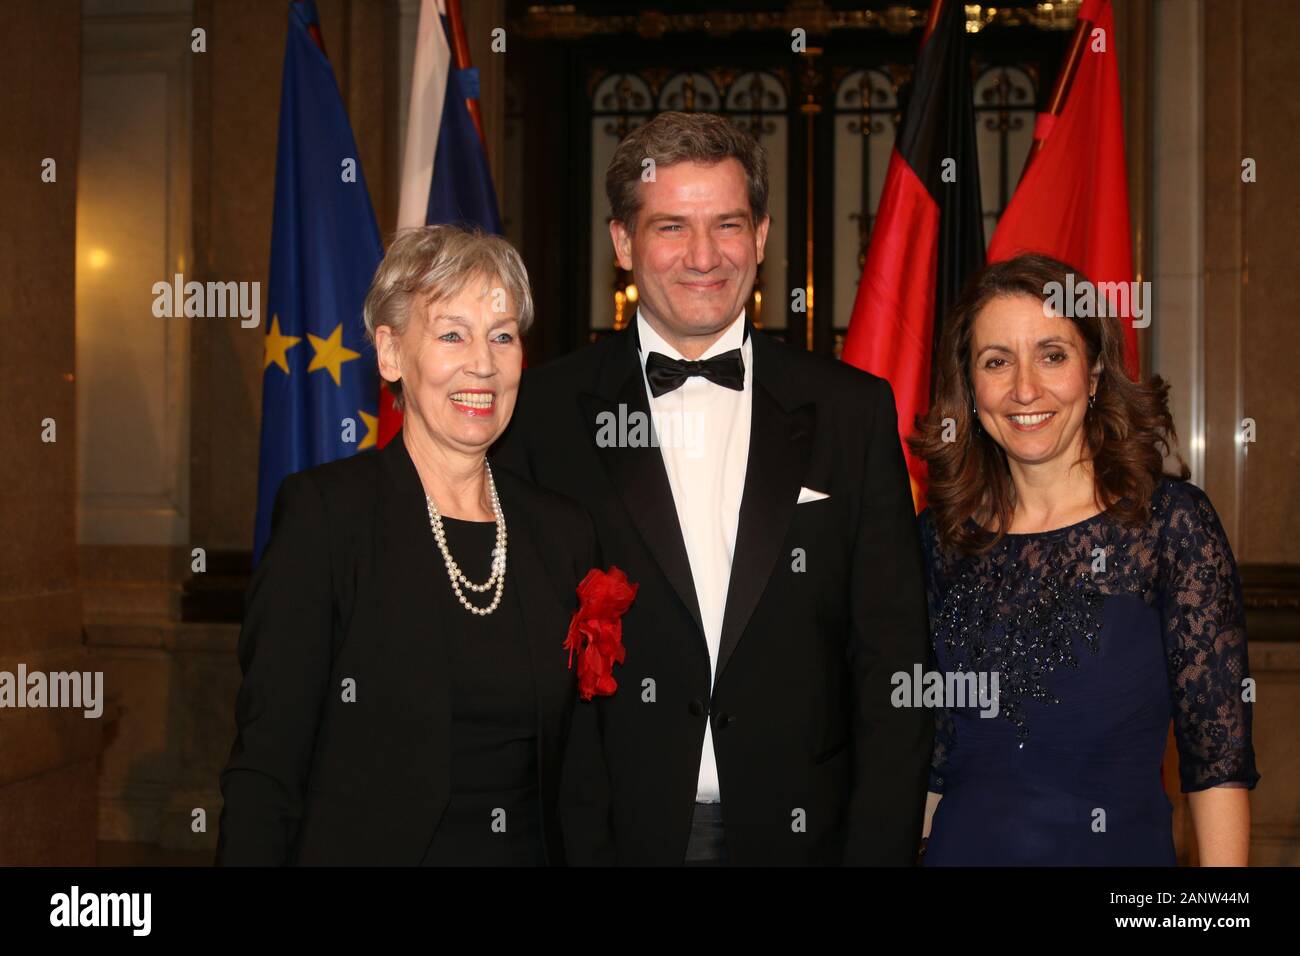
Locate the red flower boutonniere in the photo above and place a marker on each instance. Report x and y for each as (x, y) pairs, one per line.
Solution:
(596, 631)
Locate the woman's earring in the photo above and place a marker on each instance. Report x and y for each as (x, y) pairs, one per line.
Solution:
(975, 416)
(1092, 400)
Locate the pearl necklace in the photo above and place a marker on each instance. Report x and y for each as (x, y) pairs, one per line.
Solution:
(454, 572)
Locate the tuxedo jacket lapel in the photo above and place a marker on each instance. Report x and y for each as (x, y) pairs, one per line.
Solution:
(638, 473)
(780, 445)
(782, 428)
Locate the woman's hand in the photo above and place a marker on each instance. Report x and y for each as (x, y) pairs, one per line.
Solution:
(931, 804)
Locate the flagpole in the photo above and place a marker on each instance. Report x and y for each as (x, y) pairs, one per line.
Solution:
(1082, 28)
(461, 59)
(936, 9)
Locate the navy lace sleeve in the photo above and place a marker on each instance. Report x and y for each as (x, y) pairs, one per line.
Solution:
(943, 725)
(1203, 617)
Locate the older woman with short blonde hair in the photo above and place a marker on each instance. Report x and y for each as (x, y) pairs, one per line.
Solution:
(406, 696)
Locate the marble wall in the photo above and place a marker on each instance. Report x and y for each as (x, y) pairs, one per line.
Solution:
(48, 757)
(1250, 344)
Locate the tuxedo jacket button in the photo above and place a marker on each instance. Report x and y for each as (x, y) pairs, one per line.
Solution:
(697, 708)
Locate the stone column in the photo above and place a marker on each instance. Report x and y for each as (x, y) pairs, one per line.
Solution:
(1251, 340)
(47, 756)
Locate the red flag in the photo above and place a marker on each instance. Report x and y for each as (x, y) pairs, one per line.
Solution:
(928, 235)
(1072, 202)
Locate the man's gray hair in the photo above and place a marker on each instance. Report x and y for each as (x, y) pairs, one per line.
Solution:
(672, 138)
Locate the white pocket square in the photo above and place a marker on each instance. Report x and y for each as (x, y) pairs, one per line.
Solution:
(807, 494)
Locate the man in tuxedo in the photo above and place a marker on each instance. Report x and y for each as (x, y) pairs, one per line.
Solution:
(766, 516)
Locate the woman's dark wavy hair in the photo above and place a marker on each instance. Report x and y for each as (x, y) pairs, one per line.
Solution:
(1127, 432)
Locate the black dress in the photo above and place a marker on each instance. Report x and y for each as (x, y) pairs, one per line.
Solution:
(493, 818)
(1099, 635)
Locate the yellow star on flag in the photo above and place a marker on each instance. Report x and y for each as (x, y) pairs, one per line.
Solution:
(277, 346)
(372, 430)
(330, 353)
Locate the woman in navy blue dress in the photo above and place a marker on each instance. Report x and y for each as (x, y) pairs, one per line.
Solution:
(1100, 590)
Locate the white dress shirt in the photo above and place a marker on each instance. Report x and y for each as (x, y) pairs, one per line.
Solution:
(704, 441)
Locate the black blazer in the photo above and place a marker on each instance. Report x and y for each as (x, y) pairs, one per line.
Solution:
(815, 765)
(344, 590)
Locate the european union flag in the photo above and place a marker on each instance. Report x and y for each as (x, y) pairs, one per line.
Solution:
(319, 383)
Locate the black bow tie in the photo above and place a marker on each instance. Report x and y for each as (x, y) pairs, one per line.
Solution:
(665, 374)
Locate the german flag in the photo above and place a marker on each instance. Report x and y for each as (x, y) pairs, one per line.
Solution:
(928, 235)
